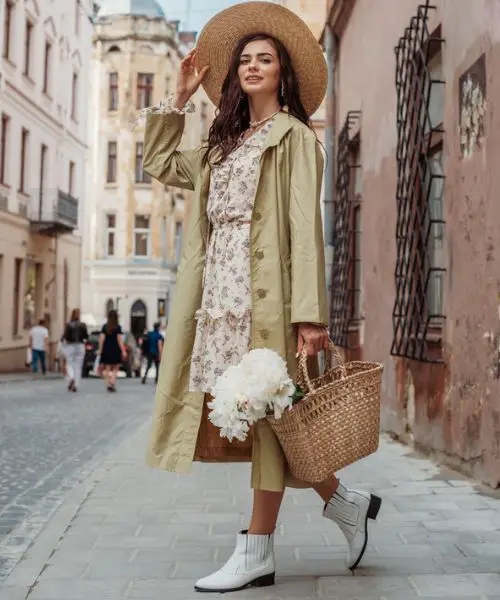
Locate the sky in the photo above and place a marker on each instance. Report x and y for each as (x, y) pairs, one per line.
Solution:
(200, 11)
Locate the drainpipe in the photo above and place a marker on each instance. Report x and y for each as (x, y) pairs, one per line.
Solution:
(329, 194)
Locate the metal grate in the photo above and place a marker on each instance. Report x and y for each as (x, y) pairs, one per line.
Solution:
(343, 282)
(416, 318)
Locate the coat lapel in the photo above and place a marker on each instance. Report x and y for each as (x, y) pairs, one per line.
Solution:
(283, 122)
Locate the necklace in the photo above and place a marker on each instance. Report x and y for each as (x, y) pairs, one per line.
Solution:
(255, 124)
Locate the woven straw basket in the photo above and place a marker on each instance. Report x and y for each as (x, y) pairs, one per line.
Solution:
(338, 421)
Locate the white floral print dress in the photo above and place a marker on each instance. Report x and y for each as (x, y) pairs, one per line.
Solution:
(224, 319)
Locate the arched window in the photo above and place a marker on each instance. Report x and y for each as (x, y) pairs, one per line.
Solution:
(138, 318)
(114, 49)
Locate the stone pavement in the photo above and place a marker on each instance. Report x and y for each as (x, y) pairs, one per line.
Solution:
(131, 533)
(51, 439)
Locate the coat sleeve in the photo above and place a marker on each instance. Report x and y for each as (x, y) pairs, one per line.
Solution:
(162, 160)
(309, 296)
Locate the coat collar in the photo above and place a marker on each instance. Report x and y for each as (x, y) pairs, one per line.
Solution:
(283, 122)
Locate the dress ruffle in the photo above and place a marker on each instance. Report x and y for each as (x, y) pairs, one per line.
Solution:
(217, 314)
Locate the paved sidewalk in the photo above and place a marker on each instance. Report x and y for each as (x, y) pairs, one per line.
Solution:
(131, 533)
(24, 376)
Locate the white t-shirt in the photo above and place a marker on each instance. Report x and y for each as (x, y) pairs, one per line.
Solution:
(38, 336)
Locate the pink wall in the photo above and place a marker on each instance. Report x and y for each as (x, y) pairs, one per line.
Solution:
(452, 409)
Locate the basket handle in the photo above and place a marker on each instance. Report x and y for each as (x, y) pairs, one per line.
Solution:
(331, 353)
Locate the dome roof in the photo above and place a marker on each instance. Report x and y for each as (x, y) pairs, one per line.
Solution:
(143, 8)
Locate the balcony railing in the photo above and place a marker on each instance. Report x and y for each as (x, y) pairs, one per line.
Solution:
(53, 212)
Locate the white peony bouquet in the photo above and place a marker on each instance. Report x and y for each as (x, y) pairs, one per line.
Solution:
(259, 385)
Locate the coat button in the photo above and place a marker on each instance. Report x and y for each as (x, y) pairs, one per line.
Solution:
(258, 216)
(261, 293)
(264, 334)
(259, 254)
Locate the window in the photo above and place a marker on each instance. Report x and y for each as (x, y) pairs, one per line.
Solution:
(436, 237)
(357, 195)
(7, 27)
(204, 121)
(113, 92)
(356, 270)
(27, 46)
(418, 313)
(43, 166)
(141, 236)
(144, 90)
(46, 68)
(345, 301)
(110, 235)
(112, 162)
(140, 175)
(24, 157)
(71, 179)
(178, 241)
(30, 294)
(18, 265)
(74, 96)
(3, 148)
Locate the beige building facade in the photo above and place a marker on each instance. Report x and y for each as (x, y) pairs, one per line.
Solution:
(43, 73)
(133, 226)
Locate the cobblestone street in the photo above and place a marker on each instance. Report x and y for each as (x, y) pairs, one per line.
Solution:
(130, 533)
(49, 440)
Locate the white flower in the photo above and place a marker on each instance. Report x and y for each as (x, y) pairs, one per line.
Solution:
(247, 392)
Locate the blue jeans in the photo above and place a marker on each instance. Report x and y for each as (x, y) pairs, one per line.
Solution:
(38, 355)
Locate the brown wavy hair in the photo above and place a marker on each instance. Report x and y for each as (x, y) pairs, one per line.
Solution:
(233, 114)
(112, 323)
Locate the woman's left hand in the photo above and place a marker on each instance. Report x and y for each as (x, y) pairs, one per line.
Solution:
(315, 337)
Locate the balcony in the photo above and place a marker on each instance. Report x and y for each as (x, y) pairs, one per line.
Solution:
(56, 213)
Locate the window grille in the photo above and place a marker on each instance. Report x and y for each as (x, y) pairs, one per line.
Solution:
(418, 311)
(344, 284)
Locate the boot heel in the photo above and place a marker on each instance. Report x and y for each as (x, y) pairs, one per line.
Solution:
(373, 509)
(264, 581)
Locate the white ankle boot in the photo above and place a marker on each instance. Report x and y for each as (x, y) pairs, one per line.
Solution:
(251, 564)
(351, 509)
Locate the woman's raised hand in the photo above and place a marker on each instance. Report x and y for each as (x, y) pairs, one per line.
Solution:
(188, 80)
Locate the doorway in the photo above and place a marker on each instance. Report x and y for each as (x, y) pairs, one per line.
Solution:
(138, 318)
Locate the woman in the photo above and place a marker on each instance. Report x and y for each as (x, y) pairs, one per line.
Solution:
(111, 350)
(252, 272)
(73, 343)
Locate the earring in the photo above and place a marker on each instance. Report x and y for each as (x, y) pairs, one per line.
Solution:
(283, 90)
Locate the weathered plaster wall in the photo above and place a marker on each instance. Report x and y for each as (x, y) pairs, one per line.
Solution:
(453, 409)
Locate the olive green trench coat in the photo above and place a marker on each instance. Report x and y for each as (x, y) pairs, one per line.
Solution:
(287, 279)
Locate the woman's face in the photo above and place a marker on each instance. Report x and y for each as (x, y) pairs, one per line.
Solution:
(259, 69)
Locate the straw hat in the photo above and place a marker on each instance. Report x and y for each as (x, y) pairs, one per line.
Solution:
(220, 35)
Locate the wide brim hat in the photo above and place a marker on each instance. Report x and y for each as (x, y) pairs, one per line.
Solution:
(221, 34)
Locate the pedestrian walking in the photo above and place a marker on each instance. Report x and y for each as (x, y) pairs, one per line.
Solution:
(252, 273)
(74, 338)
(153, 346)
(39, 344)
(111, 350)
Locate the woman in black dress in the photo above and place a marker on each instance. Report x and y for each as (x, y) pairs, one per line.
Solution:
(111, 349)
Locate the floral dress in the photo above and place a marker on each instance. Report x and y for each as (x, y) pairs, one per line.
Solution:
(223, 329)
